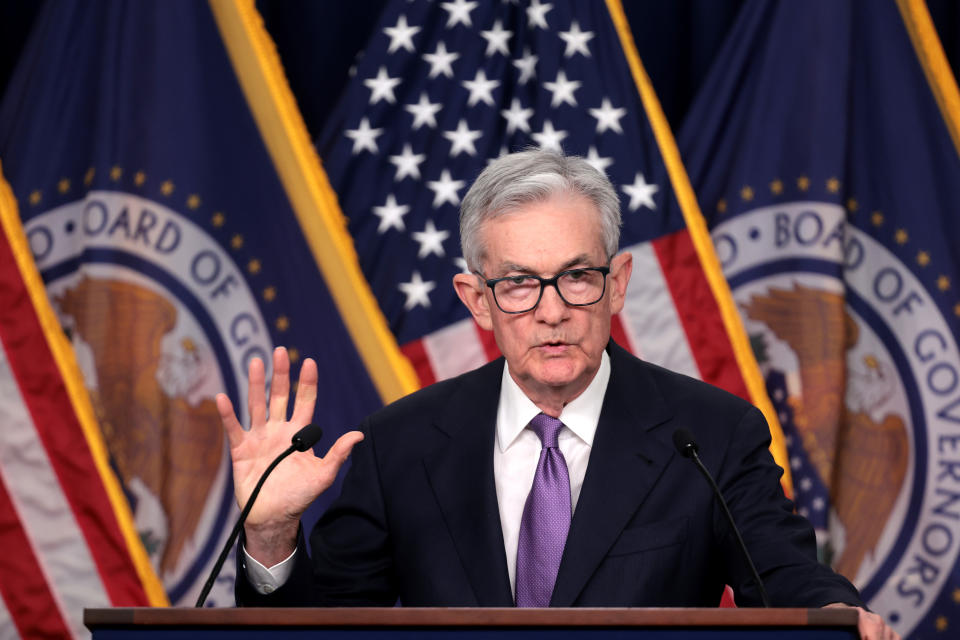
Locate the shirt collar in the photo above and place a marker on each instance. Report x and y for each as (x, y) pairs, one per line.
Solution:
(581, 415)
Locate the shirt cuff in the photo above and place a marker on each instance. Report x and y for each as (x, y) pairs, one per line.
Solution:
(267, 580)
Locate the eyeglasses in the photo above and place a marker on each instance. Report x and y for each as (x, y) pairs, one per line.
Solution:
(577, 287)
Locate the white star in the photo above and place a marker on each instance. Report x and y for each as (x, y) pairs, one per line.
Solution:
(407, 163)
(417, 291)
(481, 89)
(537, 14)
(461, 140)
(527, 66)
(402, 35)
(576, 40)
(497, 39)
(459, 12)
(364, 137)
(381, 87)
(818, 503)
(461, 263)
(445, 189)
(431, 240)
(549, 138)
(562, 89)
(441, 61)
(391, 214)
(517, 117)
(806, 483)
(641, 193)
(608, 117)
(598, 163)
(503, 151)
(796, 463)
(424, 112)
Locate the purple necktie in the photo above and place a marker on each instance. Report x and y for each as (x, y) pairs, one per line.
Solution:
(546, 519)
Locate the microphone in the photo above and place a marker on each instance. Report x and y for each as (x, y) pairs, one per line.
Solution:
(301, 441)
(687, 446)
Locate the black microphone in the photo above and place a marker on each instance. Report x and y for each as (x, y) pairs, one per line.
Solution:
(687, 446)
(301, 441)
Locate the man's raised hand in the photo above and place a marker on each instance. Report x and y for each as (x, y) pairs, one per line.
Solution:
(271, 527)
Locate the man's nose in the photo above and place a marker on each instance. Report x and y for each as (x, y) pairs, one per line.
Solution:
(552, 309)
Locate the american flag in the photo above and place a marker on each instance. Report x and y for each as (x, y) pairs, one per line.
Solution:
(442, 88)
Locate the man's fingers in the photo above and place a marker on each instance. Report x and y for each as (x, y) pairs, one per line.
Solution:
(280, 385)
(229, 419)
(256, 395)
(341, 449)
(306, 398)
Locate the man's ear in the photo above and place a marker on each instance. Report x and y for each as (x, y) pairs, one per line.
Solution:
(621, 267)
(471, 293)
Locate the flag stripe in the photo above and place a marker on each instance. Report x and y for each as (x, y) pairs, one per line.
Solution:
(255, 60)
(416, 353)
(698, 312)
(650, 318)
(8, 629)
(455, 349)
(697, 227)
(23, 584)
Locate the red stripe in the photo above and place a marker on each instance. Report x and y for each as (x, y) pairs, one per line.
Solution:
(699, 313)
(23, 586)
(417, 355)
(46, 398)
(488, 342)
(619, 334)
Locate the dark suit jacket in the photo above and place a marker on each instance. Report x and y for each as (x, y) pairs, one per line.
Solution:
(418, 519)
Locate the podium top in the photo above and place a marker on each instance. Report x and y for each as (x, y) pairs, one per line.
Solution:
(466, 617)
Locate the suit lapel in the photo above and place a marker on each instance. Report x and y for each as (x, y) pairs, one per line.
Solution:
(625, 462)
(461, 474)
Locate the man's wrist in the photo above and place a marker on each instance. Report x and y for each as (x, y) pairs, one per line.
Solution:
(271, 543)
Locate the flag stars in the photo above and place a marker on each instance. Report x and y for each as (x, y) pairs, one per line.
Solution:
(139, 178)
(923, 258)
(608, 118)
(407, 163)
(956, 309)
(401, 35)
(364, 138)
(833, 185)
(576, 41)
(116, 173)
(956, 595)
(746, 193)
(900, 236)
(776, 187)
(218, 219)
(35, 197)
(803, 183)
(63, 185)
(497, 39)
(254, 266)
(721, 205)
(943, 283)
(942, 624)
(424, 112)
(441, 61)
(876, 218)
(537, 14)
(193, 201)
(641, 193)
(517, 117)
(445, 189)
(458, 12)
(461, 264)
(391, 215)
(462, 139)
(270, 294)
(282, 323)
(294, 354)
(594, 160)
(417, 291)
(88, 176)
(549, 138)
(562, 90)
(236, 242)
(166, 187)
(430, 240)
(381, 87)
(527, 66)
(480, 88)
(852, 205)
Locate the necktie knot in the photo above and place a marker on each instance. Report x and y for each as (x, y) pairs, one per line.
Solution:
(547, 429)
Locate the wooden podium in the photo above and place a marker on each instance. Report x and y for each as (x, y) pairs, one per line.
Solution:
(473, 624)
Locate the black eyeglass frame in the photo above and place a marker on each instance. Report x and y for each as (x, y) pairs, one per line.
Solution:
(547, 282)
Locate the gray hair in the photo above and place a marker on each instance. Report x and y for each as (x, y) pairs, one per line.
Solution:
(518, 179)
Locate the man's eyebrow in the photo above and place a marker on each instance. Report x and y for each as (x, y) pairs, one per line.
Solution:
(507, 267)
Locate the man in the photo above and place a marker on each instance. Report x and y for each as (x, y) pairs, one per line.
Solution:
(544, 478)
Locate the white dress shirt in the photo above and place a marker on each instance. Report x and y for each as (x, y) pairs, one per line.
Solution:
(515, 456)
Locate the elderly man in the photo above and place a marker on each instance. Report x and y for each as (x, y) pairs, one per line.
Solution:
(546, 478)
